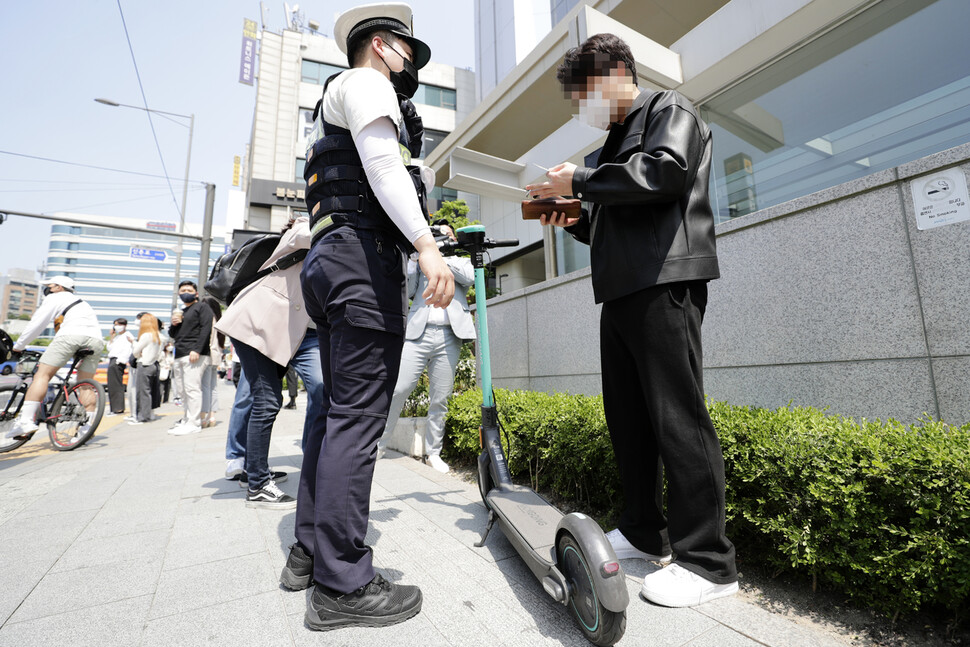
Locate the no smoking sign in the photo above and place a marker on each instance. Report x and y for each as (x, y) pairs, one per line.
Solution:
(940, 199)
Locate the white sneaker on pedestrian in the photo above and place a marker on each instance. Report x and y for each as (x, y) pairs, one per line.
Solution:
(185, 430)
(435, 461)
(625, 550)
(235, 467)
(675, 586)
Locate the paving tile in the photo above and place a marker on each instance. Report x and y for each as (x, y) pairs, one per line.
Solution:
(117, 624)
(721, 636)
(195, 587)
(254, 620)
(764, 626)
(85, 588)
(106, 551)
(18, 577)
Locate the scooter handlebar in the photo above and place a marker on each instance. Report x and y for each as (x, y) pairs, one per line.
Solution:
(506, 242)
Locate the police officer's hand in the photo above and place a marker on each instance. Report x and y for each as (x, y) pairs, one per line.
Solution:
(441, 281)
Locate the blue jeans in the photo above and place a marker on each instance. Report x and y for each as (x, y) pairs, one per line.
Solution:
(261, 391)
(239, 419)
(306, 363)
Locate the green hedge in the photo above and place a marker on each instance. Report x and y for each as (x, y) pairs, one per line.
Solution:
(877, 511)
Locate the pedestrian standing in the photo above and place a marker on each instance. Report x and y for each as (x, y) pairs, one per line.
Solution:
(147, 351)
(433, 340)
(191, 328)
(119, 350)
(210, 376)
(652, 251)
(165, 365)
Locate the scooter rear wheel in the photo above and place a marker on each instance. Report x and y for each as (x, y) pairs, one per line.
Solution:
(600, 625)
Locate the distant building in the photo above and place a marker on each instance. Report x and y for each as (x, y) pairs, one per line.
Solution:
(121, 272)
(293, 66)
(20, 294)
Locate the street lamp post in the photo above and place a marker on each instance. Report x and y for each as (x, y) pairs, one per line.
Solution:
(185, 187)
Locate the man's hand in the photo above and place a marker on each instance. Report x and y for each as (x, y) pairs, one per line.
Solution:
(560, 182)
(193, 357)
(441, 281)
(176, 317)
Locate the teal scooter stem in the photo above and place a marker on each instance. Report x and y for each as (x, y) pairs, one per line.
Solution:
(568, 554)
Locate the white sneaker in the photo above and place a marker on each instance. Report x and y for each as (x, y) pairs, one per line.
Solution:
(675, 586)
(20, 427)
(380, 452)
(185, 430)
(435, 461)
(234, 468)
(625, 550)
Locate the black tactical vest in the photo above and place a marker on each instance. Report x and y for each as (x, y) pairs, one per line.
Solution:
(338, 192)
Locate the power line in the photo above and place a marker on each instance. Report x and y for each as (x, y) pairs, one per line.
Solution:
(103, 204)
(145, 102)
(100, 168)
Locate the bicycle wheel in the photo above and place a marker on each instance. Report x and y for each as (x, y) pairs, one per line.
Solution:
(600, 625)
(69, 423)
(11, 399)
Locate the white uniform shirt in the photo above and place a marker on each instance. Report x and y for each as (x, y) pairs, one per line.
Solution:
(359, 96)
(357, 100)
(80, 320)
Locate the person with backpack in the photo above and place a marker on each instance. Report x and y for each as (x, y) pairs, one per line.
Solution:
(270, 330)
(76, 327)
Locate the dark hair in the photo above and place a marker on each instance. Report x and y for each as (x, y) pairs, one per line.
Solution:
(141, 314)
(595, 57)
(357, 48)
(216, 308)
(122, 321)
(189, 282)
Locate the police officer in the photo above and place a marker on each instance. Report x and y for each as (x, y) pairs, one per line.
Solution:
(366, 214)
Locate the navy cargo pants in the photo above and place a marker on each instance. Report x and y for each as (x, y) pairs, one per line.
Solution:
(354, 289)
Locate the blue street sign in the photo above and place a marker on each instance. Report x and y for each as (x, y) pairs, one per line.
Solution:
(148, 254)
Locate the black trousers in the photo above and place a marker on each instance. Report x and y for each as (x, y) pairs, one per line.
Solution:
(116, 385)
(354, 290)
(653, 394)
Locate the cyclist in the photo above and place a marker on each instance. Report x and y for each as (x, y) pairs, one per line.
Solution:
(76, 327)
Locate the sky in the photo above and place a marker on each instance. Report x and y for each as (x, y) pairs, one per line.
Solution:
(59, 55)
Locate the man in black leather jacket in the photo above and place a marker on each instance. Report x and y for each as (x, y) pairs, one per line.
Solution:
(651, 237)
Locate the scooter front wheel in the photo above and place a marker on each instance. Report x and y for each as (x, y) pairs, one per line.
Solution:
(600, 625)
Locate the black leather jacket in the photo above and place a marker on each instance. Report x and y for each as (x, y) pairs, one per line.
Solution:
(651, 221)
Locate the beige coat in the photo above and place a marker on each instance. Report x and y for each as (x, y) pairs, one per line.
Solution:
(269, 315)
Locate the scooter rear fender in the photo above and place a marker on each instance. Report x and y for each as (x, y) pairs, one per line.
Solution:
(610, 583)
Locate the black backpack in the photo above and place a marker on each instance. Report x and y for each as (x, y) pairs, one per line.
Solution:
(240, 267)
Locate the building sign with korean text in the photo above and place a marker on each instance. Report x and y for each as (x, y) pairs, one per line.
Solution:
(247, 59)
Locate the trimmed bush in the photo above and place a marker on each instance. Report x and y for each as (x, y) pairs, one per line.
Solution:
(877, 511)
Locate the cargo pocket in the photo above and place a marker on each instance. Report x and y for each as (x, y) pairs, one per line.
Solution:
(370, 341)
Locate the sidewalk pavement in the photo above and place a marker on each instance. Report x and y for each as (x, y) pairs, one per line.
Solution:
(137, 539)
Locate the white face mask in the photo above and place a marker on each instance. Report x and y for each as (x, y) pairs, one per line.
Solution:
(596, 110)
(119, 329)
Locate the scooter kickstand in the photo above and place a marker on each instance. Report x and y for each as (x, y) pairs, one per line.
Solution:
(488, 528)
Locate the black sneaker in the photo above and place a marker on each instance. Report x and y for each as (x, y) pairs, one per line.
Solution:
(269, 496)
(279, 477)
(291, 405)
(376, 604)
(298, 572)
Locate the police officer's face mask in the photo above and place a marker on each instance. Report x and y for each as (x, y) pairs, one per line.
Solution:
(406, 81)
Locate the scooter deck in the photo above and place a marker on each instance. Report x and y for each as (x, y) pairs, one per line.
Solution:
(534, 518)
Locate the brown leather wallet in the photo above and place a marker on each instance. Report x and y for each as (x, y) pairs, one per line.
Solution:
(532, 209)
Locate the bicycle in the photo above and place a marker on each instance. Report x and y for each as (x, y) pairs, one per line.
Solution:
(69, 422)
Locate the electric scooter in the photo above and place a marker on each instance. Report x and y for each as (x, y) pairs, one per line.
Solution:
(568, 554)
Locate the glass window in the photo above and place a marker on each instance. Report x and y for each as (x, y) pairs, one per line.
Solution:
(560, 8)
(869, 95)
(300, 165)
(431, 140)
(432, 95)
(318, 73)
